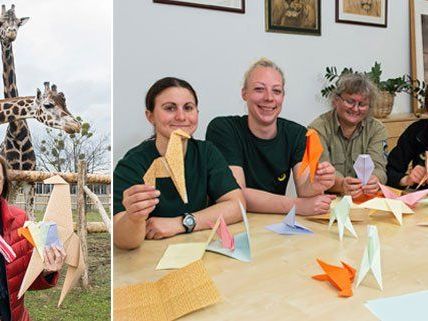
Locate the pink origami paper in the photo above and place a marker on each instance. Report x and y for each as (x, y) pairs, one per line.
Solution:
(227, 240)
(410, 199)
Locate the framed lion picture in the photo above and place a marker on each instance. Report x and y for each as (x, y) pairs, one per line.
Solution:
(293, 16)
(362, 12)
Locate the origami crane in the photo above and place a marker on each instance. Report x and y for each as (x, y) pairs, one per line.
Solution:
(227, 240)
(410, 199)
(170, 165)
(340, 277)
(312, 154)
(289, 226)
(340, 213)
(58, 210)
(371, 257)
(396, 206)
(364, 167)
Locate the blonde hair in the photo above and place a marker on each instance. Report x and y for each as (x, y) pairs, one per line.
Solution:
(265, 63)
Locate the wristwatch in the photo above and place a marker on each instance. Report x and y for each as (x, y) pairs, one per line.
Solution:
(189, 222)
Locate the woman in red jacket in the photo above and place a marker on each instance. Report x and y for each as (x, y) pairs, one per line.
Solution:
(11, 274)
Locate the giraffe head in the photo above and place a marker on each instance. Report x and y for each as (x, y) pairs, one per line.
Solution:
(52, 110)
(9, 24)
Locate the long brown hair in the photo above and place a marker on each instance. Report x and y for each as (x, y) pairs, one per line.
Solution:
(6, 181)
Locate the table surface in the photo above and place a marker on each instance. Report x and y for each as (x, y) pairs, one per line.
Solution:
(277, 284)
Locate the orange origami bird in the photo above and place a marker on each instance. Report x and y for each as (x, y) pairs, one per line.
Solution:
(339, 277)
(312, 154)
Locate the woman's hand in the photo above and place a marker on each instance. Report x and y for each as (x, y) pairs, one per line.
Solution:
(314, 205)
(54, 259)
(139, 201)
(352, 186)
(372, 186)
(416, 175)
(161, 227)
(324, 177)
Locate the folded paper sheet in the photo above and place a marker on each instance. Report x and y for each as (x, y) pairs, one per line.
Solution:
(364, 167)
(6, 250)
(289, 226)
(371, 258)
(171, 165)
(24, 232)
(312, 154)
(58, 210)
(177, 256)
(397, 207)
(242, 242)
(340, 277)
(226, 238)
(340, 213)
(411, 306)
(410, 199)
(40, 234)
(173, 296)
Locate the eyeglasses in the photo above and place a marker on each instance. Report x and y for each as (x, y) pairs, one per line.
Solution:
(352, 103)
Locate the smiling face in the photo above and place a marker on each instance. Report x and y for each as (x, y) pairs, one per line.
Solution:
(175, 108)
(264, 94)
(351, 109)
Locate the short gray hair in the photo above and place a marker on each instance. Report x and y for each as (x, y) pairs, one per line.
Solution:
(265, 63)
(356, 83)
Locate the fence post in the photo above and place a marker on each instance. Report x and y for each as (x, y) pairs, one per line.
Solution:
(81, 217)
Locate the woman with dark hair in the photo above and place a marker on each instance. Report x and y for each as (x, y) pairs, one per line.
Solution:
(12, 273)
(155, 212)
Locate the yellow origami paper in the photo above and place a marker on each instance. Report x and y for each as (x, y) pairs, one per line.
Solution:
(173, 296)
(170, 165)
(397, 207)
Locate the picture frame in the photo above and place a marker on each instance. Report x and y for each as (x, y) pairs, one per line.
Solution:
(236, 6)
(418, 45)
(369, 12)
(293, 16)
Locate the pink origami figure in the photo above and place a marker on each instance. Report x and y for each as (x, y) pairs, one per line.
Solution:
(410, 199)
(227, 240)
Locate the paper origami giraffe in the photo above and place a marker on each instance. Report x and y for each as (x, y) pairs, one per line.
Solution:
(340, 277)
(312, 154)
(58, 210)
(410, 199)
(170, 165)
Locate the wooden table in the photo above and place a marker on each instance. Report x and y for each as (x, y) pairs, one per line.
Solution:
(277, 284)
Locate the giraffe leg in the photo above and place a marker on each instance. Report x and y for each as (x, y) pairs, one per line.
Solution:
(28, 191)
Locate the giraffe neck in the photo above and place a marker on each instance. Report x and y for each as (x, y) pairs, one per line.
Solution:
(9, 75)
(13, 109)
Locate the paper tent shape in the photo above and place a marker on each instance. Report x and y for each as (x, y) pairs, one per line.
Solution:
(364, 167)
(289, 226)
(410, 199)
(340, 277)
(312, 154)
(171, 165)
(58, 210)
(371, 257)
(226, 238)
(397, 207)
(340, 213)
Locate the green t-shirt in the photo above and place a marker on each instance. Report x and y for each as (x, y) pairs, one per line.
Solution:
(266, 162)
(207, 178)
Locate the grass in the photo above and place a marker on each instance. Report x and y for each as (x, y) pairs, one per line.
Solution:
(91, 304)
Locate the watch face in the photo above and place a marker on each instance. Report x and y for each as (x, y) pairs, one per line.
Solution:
(189, 221)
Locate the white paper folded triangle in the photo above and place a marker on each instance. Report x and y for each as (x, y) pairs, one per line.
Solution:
(364, 167)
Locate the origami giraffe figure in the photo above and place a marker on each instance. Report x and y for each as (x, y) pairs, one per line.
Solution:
(170, 165)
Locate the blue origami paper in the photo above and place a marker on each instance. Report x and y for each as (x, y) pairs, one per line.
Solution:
(52, 235)
(289, 226)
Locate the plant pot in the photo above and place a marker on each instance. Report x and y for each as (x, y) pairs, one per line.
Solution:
(382, 106)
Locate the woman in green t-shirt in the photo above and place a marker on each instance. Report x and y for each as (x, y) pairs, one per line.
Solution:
(262, 149)
(155, 212)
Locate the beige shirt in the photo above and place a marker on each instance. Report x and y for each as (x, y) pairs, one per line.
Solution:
(369, 138)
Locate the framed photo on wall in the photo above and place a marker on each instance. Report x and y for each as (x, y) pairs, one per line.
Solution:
(362, 12)
(293, 16)
(237, 6)
(419, 46)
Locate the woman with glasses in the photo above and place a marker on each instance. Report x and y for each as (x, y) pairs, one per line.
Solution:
(262, 148)
(348, 130)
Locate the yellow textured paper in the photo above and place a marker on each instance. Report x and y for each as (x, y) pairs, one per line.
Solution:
(177, 294)
(177, 256)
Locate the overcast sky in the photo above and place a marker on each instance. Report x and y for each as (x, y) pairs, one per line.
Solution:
(66, 42)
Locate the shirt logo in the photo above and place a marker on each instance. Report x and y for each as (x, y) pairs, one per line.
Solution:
(281, 177)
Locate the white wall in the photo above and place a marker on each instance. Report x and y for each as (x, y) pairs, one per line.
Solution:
(212, 50)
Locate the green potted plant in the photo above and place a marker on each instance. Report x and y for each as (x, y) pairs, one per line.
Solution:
(388, 88)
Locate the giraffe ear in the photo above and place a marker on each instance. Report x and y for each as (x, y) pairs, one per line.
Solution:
(23, 21)
(39, 94)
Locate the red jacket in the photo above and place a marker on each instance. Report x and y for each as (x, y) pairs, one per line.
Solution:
(14, 218)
